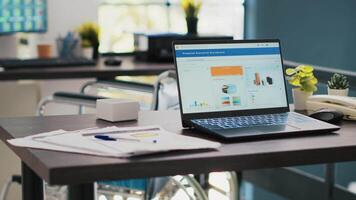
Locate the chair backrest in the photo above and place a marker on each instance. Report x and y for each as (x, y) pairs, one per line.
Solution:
(165, 94)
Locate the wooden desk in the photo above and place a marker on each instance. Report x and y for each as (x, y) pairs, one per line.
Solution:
(80, 171)
(129, 67)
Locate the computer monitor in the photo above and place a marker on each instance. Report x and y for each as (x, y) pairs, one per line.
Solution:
(23, 16)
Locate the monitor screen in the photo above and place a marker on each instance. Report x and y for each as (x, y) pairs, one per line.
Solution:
(230, 76)
(23, 16)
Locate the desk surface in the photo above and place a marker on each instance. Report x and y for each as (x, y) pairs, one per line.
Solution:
(129, 67)
(64, 168)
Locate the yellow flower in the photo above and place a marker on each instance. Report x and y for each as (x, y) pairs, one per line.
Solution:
(89, 33)
(191, 7)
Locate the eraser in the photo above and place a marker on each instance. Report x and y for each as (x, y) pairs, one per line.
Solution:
(115, 110)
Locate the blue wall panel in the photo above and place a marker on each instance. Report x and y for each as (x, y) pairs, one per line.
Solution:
(320, 32)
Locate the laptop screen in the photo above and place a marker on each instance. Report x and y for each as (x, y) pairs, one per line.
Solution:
(230, 76)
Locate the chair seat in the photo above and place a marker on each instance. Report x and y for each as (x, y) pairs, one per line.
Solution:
(127, 85)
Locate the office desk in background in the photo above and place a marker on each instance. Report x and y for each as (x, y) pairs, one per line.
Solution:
(128, 67)
(80, 171)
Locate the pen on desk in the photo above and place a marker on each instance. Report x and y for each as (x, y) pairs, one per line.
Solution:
(124, 131)
(108, 138)
(104, 137)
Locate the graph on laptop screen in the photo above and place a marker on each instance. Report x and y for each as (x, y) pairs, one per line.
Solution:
(228, 77)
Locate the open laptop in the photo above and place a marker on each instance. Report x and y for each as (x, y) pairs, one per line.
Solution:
(237, 89)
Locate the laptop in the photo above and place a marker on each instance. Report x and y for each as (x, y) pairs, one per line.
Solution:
(237, 89)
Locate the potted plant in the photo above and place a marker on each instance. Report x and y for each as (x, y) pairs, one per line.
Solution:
(338, 85)
(87, 50)
(303, 79)
(89, 34)
(191, 9)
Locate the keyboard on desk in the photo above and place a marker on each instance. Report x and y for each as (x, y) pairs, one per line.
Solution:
(11, 64)
(243, 121)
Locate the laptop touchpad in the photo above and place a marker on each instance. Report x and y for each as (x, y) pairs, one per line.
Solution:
(257, 130)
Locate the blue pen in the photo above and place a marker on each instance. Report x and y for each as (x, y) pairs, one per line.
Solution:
(108, 138)
(104, 137)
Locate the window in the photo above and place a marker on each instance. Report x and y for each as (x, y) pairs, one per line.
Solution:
(120, 19)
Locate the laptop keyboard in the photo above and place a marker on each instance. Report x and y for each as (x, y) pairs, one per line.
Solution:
(243, 121)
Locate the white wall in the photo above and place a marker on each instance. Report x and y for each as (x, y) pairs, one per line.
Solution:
(63, 16)
(67, 15)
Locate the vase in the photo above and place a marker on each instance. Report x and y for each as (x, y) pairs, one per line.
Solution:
(87, 52)
(192, 25)
(96, 51)
(299, 98)
(338, 92)
(44, 50)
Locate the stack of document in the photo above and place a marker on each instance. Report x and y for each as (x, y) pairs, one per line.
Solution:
(114, 141)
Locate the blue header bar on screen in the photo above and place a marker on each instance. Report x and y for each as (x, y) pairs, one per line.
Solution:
(227, 52)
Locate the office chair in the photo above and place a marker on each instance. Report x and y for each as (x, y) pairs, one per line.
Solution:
(85, 100)
(116, 84)
(13, 179)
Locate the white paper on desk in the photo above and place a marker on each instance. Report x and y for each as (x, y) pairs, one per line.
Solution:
(32, 142)
(164, 141)
(28, 142)
(75, 142)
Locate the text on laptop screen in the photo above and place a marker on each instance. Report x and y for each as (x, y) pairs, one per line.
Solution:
(228, 77)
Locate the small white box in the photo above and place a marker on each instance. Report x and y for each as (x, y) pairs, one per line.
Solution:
(115, 110)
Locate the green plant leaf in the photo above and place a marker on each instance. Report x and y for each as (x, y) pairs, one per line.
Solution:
(305, 79)
(307, 68)
(290, 71)
(302, 76)
(338, 81)
(294, 81)
(308, 87)
(314, 80)
(299, 68)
